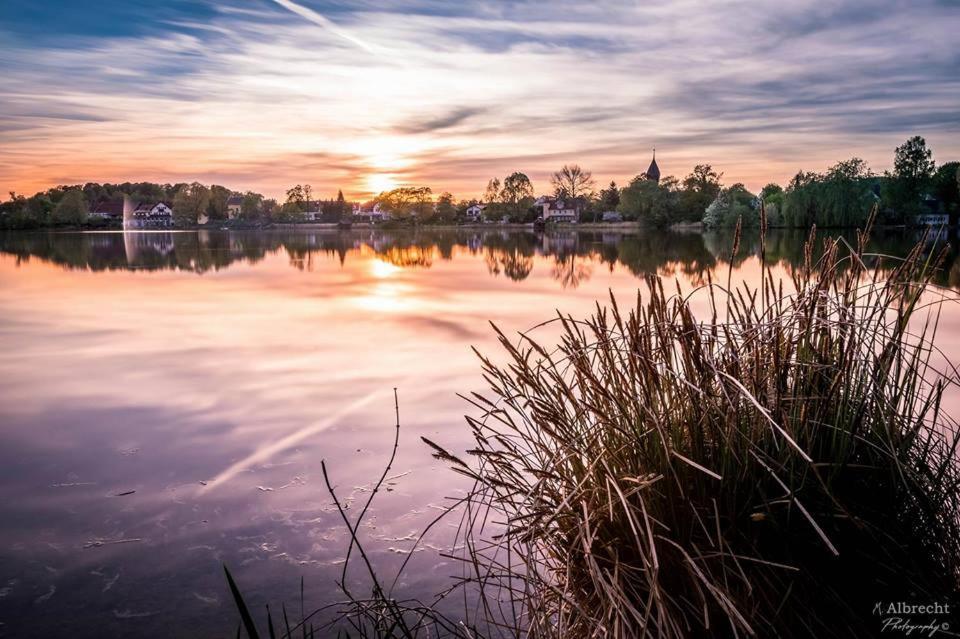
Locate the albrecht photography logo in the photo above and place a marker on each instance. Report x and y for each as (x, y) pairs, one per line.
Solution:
(914, 619)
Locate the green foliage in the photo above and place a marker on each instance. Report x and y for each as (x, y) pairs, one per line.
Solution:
(516, 196)
(71, 209)
(733, 204)
(841, 197)
(774, 199)
(251, 207)
(912, 173)
(610, 198)
(699, 189)
(649, 202)
(446, 211)
(217, 208)
(946, 188)
(298, 198)
(408, 203)
(190, 204)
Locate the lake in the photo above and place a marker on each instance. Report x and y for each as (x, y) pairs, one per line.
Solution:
(166, 400)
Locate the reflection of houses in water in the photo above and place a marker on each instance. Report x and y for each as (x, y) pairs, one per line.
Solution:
(147, 249)
(559, 243)
(474, 242)
(611, 239)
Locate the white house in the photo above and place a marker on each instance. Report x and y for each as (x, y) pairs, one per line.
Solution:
(314, 211)
(559, 209)
(148, 215)
(234, 205)
(371, 211)
(475, 212)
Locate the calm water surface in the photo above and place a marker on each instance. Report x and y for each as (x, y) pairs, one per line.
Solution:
(166, 400)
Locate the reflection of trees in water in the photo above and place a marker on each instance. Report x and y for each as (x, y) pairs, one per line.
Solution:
(572, 255)
(511, 254)
(570, 270)
(511, 263)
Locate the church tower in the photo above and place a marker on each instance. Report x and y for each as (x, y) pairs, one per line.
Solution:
(653, 173)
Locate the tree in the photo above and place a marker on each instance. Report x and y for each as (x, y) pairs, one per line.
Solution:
(946, 188)
(650, 202)
(190, 202)
(912, 172)
(297, 198)
(517, 196)
(699, 189)
(342, 209)
(610, 197)
(492, 194)
(446, 210)
(732, 204)
(217, 207)
(71, 209)
(773, 198)
(841, 197)
(572, 181)
(251, 206)
(407, 202)
(493, 208)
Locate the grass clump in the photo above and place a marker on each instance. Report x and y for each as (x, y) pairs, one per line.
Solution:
(774, 468)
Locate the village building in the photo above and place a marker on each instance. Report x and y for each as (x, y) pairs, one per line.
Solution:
(314, 212)
(369, 212)
(559, 209)
(653, 172)
(611, 216)
(234, 206)
(474, 212)
(108, 209)
(148, 215)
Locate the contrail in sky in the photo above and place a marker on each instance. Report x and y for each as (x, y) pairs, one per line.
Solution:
(320, 20)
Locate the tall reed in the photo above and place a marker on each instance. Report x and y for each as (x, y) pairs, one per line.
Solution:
(775, 468)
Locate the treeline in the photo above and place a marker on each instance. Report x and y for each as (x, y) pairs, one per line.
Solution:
(842, 196)
(71, 206)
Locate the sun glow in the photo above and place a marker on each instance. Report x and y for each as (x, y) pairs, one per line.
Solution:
(380, 182)
(380, 269)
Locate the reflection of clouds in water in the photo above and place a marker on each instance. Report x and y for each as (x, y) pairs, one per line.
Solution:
(225, 376)
(268, 450)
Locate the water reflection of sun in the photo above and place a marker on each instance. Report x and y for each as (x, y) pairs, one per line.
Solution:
(380, 269)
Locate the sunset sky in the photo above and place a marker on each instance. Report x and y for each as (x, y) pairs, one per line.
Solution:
(367, 95)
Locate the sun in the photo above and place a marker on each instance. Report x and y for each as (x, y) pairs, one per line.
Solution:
(380, 182)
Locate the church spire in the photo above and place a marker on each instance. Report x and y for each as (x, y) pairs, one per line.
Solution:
(653, 173)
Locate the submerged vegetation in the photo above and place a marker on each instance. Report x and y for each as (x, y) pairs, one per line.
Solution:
(720, 462)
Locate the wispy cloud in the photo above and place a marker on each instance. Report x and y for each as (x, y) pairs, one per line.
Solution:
(359, 94)
(318, 19)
